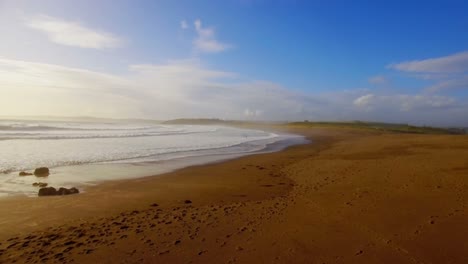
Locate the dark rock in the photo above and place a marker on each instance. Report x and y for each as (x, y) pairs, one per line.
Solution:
(40, 184)
(47, 191)
(187, 201)
(62, 191)
(23, 173)
(41, 172)
(65, 191)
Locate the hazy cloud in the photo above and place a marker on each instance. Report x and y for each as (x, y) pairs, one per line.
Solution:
(364, 101)
(378, 79)
(184, 24)
(455, 63)
(447, 73)
(449, 84)
(172, 90)
(404, 102)
(206, 39)
(188, 89)
(72, 33)
(252, 113)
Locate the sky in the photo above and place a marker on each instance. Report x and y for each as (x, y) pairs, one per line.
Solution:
(388, 61)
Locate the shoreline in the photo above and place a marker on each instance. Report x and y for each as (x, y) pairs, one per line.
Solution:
(92, 192)
(85, 176)
(339, 199)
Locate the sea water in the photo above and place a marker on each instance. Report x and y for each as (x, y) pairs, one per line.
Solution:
(81, 153)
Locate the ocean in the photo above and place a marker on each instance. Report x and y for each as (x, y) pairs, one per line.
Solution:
(85, 153)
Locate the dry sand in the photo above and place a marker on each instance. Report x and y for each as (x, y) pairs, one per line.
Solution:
(352, 196)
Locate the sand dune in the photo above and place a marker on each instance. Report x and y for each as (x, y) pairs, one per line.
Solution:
(351, 196)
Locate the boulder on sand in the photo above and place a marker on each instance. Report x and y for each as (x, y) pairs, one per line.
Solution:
(50, 191)
(47, 191)
(23, 173)
(41, 172)
(65, 191)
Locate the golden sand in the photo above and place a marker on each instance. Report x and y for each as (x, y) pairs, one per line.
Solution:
(351, 196)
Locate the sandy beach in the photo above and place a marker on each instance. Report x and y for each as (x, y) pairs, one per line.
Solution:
(349, 196)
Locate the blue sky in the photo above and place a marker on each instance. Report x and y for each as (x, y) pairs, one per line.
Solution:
(394, 61)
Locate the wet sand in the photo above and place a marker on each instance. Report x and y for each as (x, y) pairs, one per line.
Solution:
(351, 196)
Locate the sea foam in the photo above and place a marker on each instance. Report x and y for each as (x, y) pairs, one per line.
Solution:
(25, 145)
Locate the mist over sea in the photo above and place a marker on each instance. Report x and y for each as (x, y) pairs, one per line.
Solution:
(71, 148)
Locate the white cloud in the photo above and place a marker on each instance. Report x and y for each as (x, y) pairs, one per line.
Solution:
(72, 33)
(206, 39)
(455, 63)
(184, 24)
